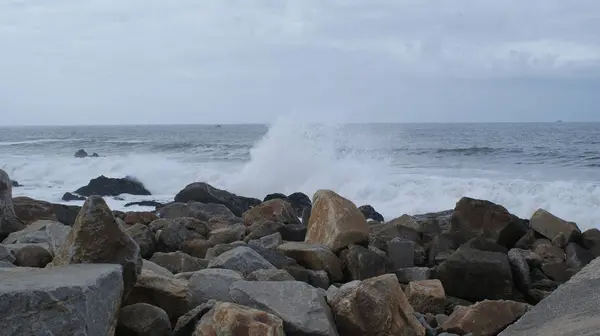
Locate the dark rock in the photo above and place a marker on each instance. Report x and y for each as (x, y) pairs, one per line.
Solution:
(227, 235)
(551, 226)
(485, 244)
(401, 253)
(299, 202)
(6, 255)
(9, 220)
(361, 263)
(557, 271)
(179, 262)
(406, 275)
(212, 284)
(476, 275)
(187, 323)
(219, 249)
(270, 275)
(144, 238)
(275, 210)
(526, 242)
(520, 269)
(171, 233)
(205, 193)
(32, 255)
(306, 215)
(200, 211)
(106, 186)
(271, 241)
(591, 241)
(144, 204)
(15, 184)
(577, 257)
(440, 244)
(68, 197)
(434, 223)
(47, 232)
(81, 154)
(317, 279)
(242, 259)
(275, 196)
(261, 229)
(381, 234)
(293, 232)
(275, 258)
(370, 213)
(314, 256)
(142, 319)
(143, 217)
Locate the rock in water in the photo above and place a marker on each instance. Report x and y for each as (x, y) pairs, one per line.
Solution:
(15, 184)
(68, 197)
(81, 154)
(9, 222)
(97, 238)
(106, 186)
(232, 319)
(67, 300)
(335, 222)
(205, 193)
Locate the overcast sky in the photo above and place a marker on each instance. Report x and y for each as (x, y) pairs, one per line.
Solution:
(226, 61)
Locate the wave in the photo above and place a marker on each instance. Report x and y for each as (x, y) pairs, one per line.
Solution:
(477, 150)
(37, 141)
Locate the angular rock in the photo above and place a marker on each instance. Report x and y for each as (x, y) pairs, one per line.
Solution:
(401, 253)
(485, 244)
(294, 232)
(577, 257)
(155, 204)
(486, 318)
(473, 218)
(476, 275)
(270, 275)
(440, 244)
(406, 275)
(370, 213)
(81, 154)
(261, 229)
(171, 233)
(212, 284)
(152, 267)
(314, 256)
(196, 248)
(361, 263)
(205, 193)
(275, 210)
(232, 319)
(97, 238)
(144, 238)
(526, 242)
(44, 231)
(271, 241)
(186, 324)
(68, 300)
(179, 262)
(6, 264)
(434, 223)
(520, 268)
(227, 235)
(242, 259)
(426, 296)
(550, 226)
(29, 211)
(550, 253)
(15, 184)
(217, 250)
(6, 254)
(196, 210)
(381, 234)
(31, 255)
(299, 202)
(335, 222)
(557, 271)
(309, 315)
(139, 217)
(142, 319)
(376, 306)
(106, 186)
(9, 222)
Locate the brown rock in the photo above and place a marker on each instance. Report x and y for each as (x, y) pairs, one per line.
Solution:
(550, 226)
(227, 235)
(426, 296)
(262, 229)
(196, 248)
(230, 319)
(335, 222)
(314, 256)
(275, 210)
(32, 255)
(97, 238)
(139, 217)
(486, 318)
(375, 306)
(29, 211)
(550, 253)
(381, 234)
(179, 262)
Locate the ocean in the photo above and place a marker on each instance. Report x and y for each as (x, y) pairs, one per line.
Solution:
(397, 168)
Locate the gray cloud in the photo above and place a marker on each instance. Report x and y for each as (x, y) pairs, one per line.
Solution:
(106, 61)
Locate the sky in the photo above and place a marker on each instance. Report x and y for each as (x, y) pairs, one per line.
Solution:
(66, 62)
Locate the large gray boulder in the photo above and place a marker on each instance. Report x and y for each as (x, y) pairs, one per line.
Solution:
(9, 222)
(242, 259)
(81, 299)
(43, 231)
(302, 307)
(551, 226)
(210, 284)
(572, 309)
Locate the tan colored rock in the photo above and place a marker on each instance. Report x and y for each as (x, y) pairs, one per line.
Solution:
(275, 210)
(485, 318)
(376, 306)
(314, 256)
(230, 319)
(551, 226)
(145, 217)
(335, 222)
(426, 296)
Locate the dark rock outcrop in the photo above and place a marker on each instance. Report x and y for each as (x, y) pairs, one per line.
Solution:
(68, 197)
(107, 186)
(205, 193)
(370, 213)
(81, 154)
(144, 204)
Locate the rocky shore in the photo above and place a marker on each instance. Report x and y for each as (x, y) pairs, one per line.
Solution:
(215, 263)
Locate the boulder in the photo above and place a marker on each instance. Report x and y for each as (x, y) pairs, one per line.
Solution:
(299, 202)
(275, 210)
(361, 263)
(550, 253)
(271, 241)
(6, 255)
(426, 296)
(197, 210)
(486, 318)
(242, 259)
(155, 204)
(381, 234)
(134, 217)
(577, 257)
(484, 244)
(309, 315)
(270, 275)
(31, 255)
(68, 197)
(473, 218)
(375, 306)
(44, 231)
(262, 229)
(15, 184)
(196, 248)
(107, 186)
(205, 193)
(232, 319)
(171, 233)
(294, 232)
(370, 213)
(143, 236)
(314, 256)
(29, 211)
(142, 319)
(227, 235)
(317, 279)
(217, 250)
(406, 275)
(591, 241)
(476, 275)
(186, 324)
(97, 238)
(434, 223)
(520, 269)
(81, 154)
(551, 226)
(335, 222)
(212, 284)
(152, 267)
(275, 196)
(275, 258)
(9, 222)
(67, 300)
(178, 262)
(401, 253)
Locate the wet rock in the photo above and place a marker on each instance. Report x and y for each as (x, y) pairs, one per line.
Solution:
(376, 306)
(262, 229)
(309, 315)
(210, 284)
(476, 275)
(143, 236)
(142, 319)
(67, 300)
(31, 255)
(186, 324)
(361, 263)
(271, 241)
(370, 213)
(577, 256)
(199, 211)
(9, 222)
(275, 210)
(47, 232)
(232, 319)
(335, 222)
(107, 186)
(486, 318)
(270, 275)
(68, 197)
(426, 296)
(314, 256)
(550, 226)
(97, 238)
(242, 259)
(205, 193)
(178, 262)
(196, 248)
